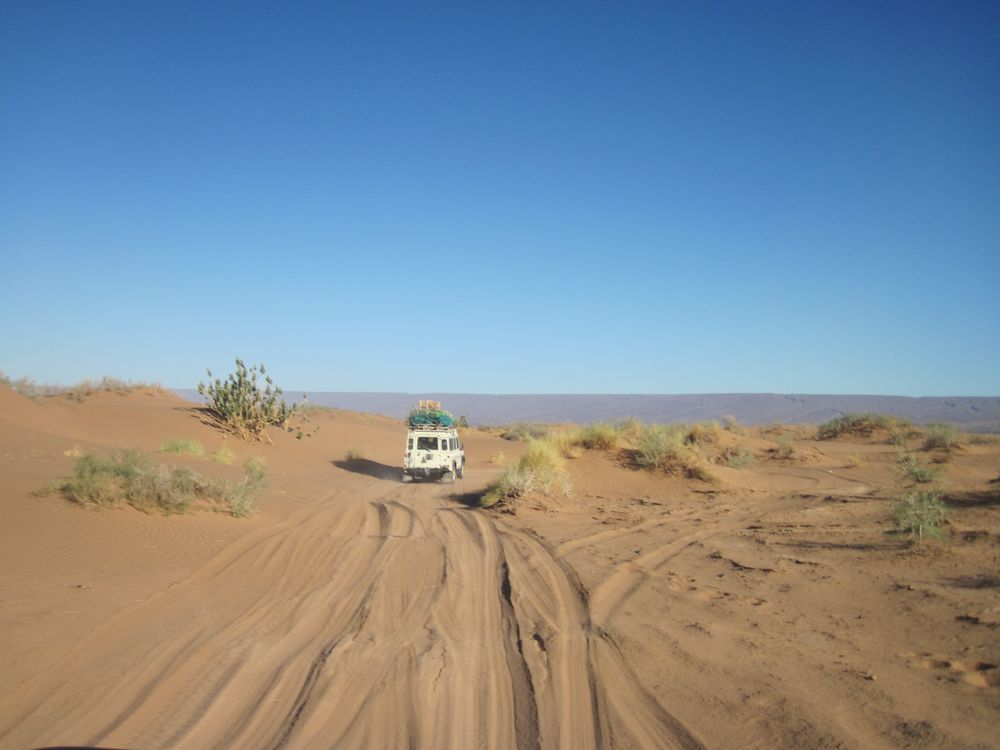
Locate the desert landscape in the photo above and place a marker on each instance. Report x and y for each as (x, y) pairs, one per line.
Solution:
(756, 594)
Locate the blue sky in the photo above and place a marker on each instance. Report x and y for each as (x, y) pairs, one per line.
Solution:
(535, 198)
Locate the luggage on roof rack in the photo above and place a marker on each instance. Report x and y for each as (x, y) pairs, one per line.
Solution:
(429, 414)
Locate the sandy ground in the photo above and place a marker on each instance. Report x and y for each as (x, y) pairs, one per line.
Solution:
(768, 608)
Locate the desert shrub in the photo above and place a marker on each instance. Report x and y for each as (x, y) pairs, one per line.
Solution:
(738, 458)
(785, 449)
(182, 446)
(940, 435)
(911, 469)
(240, 405)
(629, 430)
(239, 498)
(567, 442)
(498, 458)
(665, 448)
(854, 461)
(462, 422)
(703, 433)
(539, 469)
(524, 431)
(920, 514)
(865, 425)
(731, 424)
(601, 436)
(131, 477)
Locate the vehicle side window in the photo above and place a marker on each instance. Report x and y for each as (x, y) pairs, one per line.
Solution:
(409, 444)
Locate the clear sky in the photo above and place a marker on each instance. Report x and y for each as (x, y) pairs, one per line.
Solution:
(504, 197)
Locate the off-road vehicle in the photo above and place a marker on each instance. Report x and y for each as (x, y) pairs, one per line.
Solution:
(433, 447)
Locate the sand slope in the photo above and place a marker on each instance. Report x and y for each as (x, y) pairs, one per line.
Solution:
(767, 609)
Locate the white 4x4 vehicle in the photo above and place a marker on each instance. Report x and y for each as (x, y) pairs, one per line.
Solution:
(433, 452)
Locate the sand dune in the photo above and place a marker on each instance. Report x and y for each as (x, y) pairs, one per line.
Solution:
(765, 609)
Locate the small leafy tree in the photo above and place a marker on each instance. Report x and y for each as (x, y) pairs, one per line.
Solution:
(239, 403)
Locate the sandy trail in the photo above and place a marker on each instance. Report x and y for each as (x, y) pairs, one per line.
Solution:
(382, 615)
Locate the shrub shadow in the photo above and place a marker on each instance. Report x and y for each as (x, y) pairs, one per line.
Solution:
(984, 499)
(976, 582)
(370, 468)
(468, 499)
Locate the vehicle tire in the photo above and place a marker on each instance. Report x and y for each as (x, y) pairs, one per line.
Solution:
(448, 477)
(461, 470)
(407, 478)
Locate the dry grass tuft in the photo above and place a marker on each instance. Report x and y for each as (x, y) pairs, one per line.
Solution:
(539, 469)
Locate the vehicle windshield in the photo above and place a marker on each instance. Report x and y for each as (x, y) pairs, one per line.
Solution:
(427, 443)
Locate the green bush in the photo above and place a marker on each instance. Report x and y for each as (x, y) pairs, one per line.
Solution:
(239, 403)
(131, 477)
(911, 469)
(940, 435)
(920, 514)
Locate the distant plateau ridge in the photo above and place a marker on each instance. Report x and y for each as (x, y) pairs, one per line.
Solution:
(970, 413)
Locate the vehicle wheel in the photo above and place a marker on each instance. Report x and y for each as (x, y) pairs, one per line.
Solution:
(448, 477)
(461, 471)
(407, 477)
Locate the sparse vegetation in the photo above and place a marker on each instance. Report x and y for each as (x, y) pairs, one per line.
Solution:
(738, 458)
(79, 391)
(913, 470)
(539, 469)
(666, 448)
(920, 514)
(524, 431)
(730, 424)
(785, 450)
(600, 436)
(182, 446)
(498, 458)
(940, 435)
(866, 425)
(240, 405)
(629, 430)
(131, 477)
(567, 442)
(703, 434)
